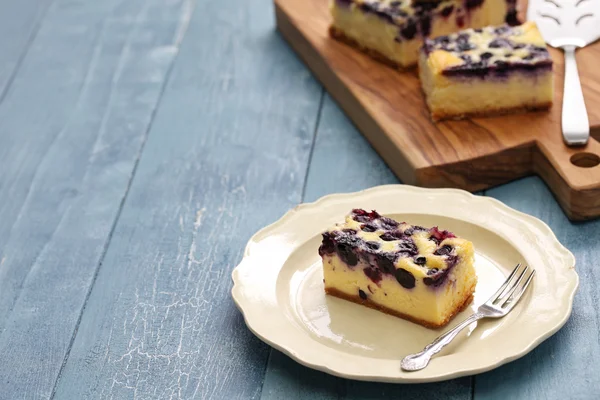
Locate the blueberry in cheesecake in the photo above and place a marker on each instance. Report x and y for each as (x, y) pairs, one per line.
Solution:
(424, 275)
(392, 31)
(479, 72)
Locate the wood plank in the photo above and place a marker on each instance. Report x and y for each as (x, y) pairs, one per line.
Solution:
(19, 24)
(286, 379)
(389, 109)
(343, 161)
(73, 124)
(227, 154)
(564, 366)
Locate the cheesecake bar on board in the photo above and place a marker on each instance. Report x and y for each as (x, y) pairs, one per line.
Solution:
(392, 31)
(489, 71)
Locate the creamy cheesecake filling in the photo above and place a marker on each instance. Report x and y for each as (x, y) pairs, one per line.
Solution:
(422, 274)
(396, 29)
(460, 96)
(424, 303)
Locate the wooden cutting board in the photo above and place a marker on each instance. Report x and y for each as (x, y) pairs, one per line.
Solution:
(388, 107)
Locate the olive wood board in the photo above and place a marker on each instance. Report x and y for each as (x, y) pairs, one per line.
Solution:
(389, 108)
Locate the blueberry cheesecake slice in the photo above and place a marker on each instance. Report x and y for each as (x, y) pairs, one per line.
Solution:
(392, 31)
(424, 275)
(489, 71)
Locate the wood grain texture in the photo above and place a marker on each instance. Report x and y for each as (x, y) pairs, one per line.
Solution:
(343, 161)
(226, 155)
(73, 123)
(388, 108)
(565, 366)
(19, 24)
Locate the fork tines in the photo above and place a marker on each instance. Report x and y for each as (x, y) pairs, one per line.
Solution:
(513, 288)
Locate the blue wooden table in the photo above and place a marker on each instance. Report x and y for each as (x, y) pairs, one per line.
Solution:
(142, 142)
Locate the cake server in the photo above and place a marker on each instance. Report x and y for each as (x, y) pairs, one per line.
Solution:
(569, 25)
(498, 306)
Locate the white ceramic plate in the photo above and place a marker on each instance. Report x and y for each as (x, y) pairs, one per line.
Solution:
(278, 287)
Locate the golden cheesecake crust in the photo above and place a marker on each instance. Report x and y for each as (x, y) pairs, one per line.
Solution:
(440, 114)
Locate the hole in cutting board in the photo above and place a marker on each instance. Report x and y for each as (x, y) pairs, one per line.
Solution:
(585, 160)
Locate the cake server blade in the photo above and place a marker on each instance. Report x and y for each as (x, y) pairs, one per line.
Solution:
(569, 25)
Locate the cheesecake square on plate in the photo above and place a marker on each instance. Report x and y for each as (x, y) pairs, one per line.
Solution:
(392, 31)
(488, 71)
(424, 275)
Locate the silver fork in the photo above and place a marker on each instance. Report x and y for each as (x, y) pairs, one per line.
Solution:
(500, 304)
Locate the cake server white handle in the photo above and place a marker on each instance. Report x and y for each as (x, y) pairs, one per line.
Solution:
(575, 124)
(417, 361)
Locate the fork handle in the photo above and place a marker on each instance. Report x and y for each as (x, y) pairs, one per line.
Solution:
(575, 124)
(417, 361)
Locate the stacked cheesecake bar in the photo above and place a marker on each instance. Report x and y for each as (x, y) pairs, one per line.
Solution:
(474, 58)
(393, 31)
